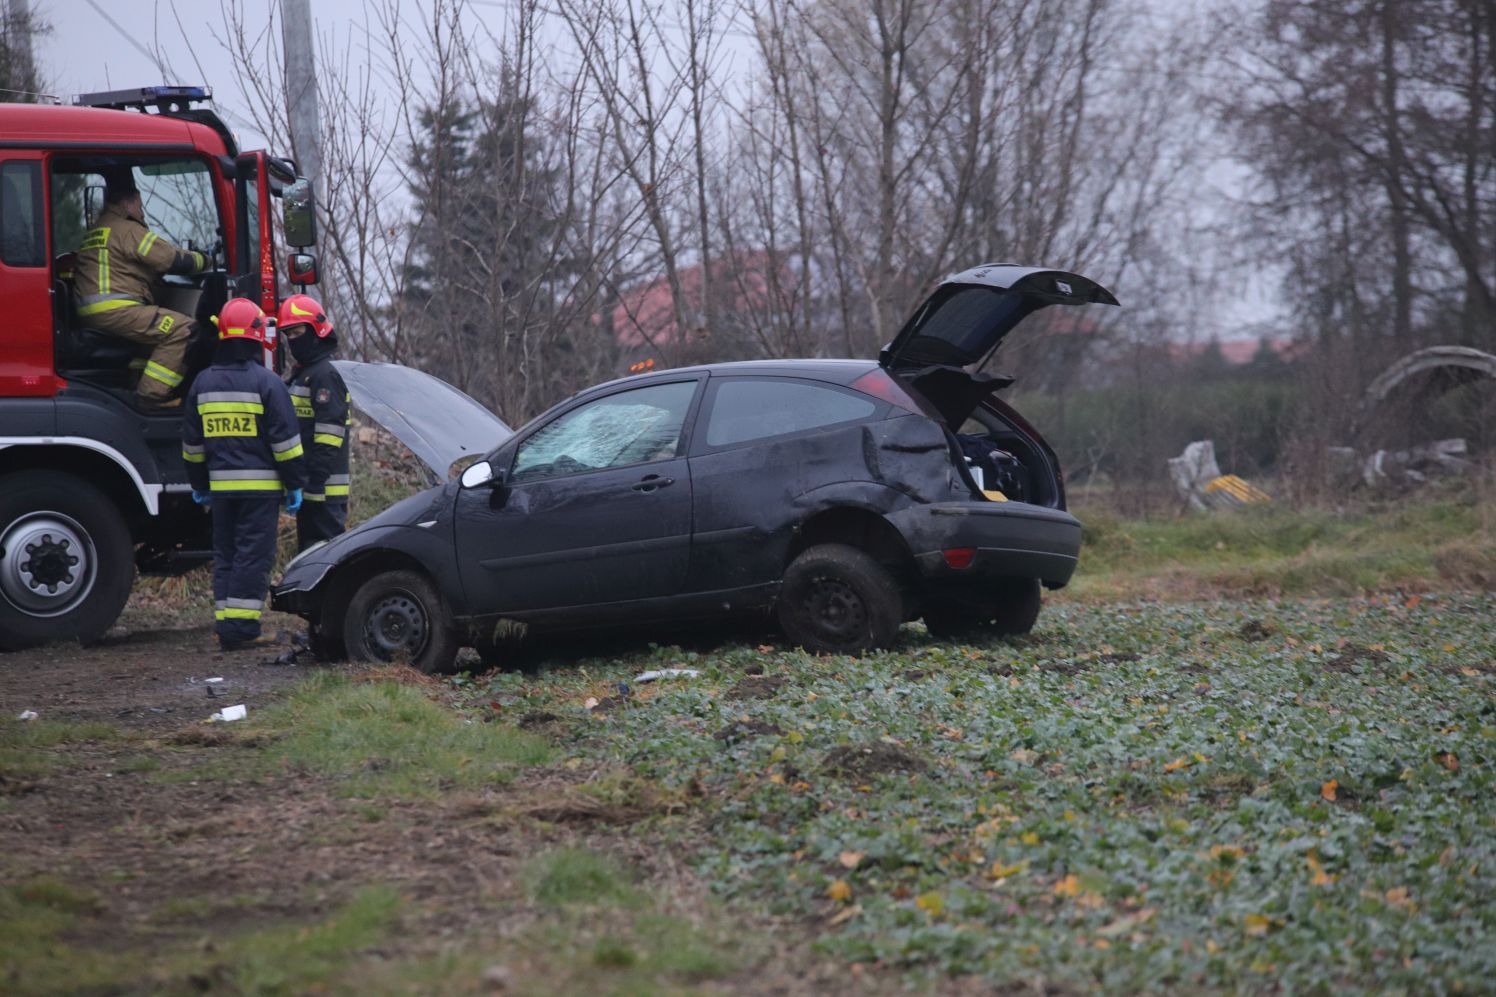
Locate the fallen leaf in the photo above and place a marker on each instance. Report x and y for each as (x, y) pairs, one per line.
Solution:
(1177, 764)
(1029, 838)
(1449, 760)
(846, 914)
(766, 649)
(1327, 790)
(1068, 887)
(930, 903)
(839, 891)
(849, 860)
(1397, 896)
(1000, 871)
(1024, 756)
(1125, 924)
(1258, 924)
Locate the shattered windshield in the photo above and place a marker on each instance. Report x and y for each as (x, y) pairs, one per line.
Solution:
(632, 427)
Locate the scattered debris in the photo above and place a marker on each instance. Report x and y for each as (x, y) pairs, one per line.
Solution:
(27, 715)
(860, 761)
(666, 673)
(1400, 469)
(216, 688)
(498, 978)
(590, 702)
(230, 713)
(756, 687)
(1199, 481)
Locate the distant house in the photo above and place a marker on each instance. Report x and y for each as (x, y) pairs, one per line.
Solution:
(643, 321)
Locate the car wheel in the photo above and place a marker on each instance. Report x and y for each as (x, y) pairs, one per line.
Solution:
(836, 599)
(1011, 610)
(66, 562)
(399, 617)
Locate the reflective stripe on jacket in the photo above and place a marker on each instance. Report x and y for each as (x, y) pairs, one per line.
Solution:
(324, 411)
(239, 433)
(119, 260)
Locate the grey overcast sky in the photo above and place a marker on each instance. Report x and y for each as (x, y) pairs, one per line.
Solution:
(83, 52)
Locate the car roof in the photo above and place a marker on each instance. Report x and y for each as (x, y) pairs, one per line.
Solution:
(836, 371)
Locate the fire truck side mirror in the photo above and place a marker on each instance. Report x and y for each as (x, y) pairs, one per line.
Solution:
(299, 206)
(301, 268)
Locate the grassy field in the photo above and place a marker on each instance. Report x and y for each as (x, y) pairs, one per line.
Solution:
(1283, 783)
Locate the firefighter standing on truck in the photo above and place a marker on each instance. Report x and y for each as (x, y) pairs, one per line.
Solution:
(118, 262)
(244, 457)
(322, 406)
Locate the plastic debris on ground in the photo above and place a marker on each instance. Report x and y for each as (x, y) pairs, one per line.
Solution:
(27, 715)
(667, 673)
(230, 713)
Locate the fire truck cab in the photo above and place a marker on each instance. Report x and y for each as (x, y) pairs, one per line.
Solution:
(91, 488)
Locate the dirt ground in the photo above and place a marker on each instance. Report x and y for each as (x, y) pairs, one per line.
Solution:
(140, 821)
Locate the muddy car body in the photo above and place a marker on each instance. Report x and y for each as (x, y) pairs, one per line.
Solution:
(835, 494)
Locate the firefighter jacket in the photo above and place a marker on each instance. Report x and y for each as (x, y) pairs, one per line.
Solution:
(239, 433)
(120, 258)
(322, 406)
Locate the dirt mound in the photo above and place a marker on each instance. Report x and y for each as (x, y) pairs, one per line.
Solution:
(756, 687)
(1253, 631)
(862, 761)
(741, 730)
(1353, 656)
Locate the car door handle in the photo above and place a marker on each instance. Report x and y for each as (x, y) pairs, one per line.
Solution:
(652, 482)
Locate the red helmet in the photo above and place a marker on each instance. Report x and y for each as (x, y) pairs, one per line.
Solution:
(242, 319)
(303, 309)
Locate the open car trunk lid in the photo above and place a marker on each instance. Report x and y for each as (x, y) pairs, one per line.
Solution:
(438, 423)
(967, 317)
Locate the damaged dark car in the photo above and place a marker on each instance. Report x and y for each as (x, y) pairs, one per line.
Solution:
(839, 497)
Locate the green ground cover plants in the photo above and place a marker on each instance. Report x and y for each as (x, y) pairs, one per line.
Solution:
(1208, 795)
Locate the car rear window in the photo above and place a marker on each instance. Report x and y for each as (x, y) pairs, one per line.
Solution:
(757, 409)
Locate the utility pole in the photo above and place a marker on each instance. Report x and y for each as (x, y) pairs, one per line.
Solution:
(301, 87)
(21, 69)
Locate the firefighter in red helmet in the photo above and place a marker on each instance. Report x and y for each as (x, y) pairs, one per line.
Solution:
(244, 458)
(322, 406)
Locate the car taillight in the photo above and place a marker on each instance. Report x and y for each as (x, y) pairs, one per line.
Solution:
(959, 557)
(881, 385)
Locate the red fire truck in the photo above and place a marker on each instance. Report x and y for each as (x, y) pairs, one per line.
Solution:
(91, 488)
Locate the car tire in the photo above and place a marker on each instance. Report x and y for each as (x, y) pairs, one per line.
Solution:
(79, 588)
(836, 599)
(399, 617)
(1008, 612)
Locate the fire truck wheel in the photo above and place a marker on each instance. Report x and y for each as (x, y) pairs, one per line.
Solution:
(65, 560)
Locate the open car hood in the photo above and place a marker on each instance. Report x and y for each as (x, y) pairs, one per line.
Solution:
(971, 312)
(438, 423)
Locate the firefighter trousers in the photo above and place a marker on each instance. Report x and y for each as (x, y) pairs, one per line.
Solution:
(244, 533)
(319, 521)
(165, 331)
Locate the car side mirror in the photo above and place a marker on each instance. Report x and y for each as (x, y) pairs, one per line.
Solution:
(480, 473)
(301, 268)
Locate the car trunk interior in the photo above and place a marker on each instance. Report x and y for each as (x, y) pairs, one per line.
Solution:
(997, 458)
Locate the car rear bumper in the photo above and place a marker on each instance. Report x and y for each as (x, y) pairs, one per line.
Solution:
(1012, 539)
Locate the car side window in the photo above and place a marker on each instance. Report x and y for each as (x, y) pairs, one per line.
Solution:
(758, 408)
(631, 427)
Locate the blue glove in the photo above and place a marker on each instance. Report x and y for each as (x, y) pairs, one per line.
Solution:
(202, 498)
(293, 500)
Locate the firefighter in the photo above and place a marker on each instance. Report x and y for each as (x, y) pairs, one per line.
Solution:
(244, 457)
(119, 260)
(322, 405)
